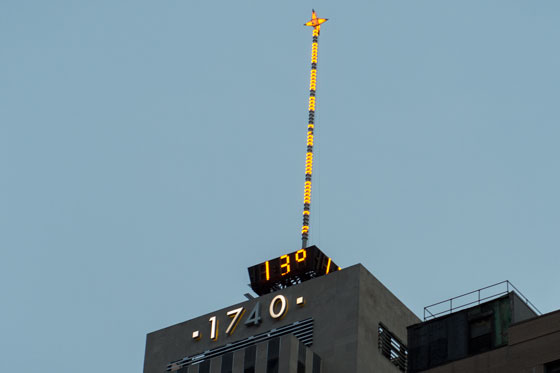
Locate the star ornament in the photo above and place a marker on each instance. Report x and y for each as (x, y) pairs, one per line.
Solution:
(315, 22)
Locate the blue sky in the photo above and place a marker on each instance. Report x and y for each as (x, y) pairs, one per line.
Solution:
(151, 151)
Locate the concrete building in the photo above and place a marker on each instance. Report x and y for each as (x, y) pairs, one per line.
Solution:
(501, 335)
(347, 321)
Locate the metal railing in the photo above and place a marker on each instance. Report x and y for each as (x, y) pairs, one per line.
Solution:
(474, 297)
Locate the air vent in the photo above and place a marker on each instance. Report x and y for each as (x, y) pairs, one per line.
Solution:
(391, 347)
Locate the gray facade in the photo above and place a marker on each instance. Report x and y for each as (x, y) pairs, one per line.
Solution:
(533, 347)
(340, 321)
(280, 354)
(500, 336)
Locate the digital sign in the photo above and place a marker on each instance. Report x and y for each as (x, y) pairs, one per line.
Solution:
(290, 269)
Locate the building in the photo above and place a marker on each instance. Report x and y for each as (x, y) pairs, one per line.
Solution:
(327, 324)
(503, 334)
(347, 321)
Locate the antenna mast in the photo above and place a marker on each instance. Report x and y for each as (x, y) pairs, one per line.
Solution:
(316, 24)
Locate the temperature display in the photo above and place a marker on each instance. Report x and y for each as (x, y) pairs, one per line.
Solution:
(290, 269)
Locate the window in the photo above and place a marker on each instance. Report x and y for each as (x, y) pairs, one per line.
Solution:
(204, 367)
(480, 333)
(301, 358)
(273, 353)
(227, 363)
(552, 367)
(316, 363)
(249, 361)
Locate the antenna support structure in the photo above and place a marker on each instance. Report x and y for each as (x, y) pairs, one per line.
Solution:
(316, 24)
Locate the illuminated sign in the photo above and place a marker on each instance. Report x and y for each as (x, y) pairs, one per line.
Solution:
(277, 309)
(290, 269)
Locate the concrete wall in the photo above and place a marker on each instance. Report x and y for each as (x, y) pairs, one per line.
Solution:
(378, 304)
(346, 306)
(521, 311)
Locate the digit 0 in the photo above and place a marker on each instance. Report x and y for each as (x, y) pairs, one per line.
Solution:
(301, 255)
(282, 302)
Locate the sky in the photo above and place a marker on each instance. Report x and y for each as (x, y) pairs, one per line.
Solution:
(151, 151)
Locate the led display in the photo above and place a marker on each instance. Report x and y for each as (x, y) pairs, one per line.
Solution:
(290, 269)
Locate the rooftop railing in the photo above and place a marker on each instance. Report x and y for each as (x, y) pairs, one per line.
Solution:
(474, 297)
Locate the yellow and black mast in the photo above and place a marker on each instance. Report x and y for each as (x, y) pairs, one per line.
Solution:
(316, 24)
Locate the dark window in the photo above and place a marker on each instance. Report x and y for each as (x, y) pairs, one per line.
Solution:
(316, 363)
(183, 370)
(249, 361)
(438, 351)
(227, 363)
(301, 358)
(552, 367)
(273, 353)
(480, 333)
(204, 367)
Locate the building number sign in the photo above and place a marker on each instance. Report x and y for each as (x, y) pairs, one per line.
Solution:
(277, 309)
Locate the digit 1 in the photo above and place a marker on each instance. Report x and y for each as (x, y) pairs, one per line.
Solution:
(267, 271)
(328, 266)
(213, 328)
(285, 265)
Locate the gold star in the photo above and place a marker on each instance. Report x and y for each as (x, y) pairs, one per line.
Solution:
(315, 22)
